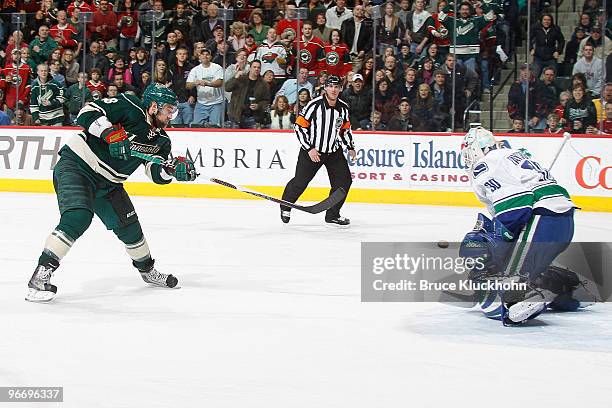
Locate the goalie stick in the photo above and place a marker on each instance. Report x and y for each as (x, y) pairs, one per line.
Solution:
(324, 205)
(566, 137)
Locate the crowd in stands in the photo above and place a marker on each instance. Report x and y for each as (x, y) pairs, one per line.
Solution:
(256, 63)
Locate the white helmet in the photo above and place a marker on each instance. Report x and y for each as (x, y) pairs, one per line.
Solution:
(476, 143)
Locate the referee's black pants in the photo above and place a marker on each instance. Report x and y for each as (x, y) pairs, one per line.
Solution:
(337, 171)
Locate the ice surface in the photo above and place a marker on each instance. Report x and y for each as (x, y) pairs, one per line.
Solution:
(270, 316)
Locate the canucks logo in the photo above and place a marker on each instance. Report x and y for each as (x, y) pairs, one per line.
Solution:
(479, 169)
(332, 58)
(305, 56)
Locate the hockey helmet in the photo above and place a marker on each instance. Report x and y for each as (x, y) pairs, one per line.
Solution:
(162, 95)
(476, 143)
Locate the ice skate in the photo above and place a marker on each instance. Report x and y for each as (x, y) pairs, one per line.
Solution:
(153, 277)
(40, 288)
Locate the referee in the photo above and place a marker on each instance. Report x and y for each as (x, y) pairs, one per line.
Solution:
(319, 127)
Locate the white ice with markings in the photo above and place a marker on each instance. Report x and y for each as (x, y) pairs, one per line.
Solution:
(269, 315)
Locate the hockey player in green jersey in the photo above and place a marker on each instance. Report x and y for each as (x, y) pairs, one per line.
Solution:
(89, 175)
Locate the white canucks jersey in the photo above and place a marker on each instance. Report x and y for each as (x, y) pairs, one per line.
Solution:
(512, 185)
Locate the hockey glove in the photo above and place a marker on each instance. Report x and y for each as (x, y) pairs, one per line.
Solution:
(182, 169)
(118, 142)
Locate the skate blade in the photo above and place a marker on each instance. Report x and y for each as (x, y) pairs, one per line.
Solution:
(39, 296)
(337, 226)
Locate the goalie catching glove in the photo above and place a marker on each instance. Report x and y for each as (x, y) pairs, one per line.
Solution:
(118, 142)
(181, 168)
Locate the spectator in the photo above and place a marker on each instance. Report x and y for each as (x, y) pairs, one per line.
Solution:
(179, 72)
(258, 30)
(375, 122)
(404, 11)
(280, 114)
(553, 124)
(272, 55)
(443, 100)
(315, 9)
(32, 27)
(17, 75)
(578, 79)
(172, 44)
(46, 99)
(419, 23)
(16, 38)
(161, 23)
(518, 126)
(122, 87)
(311, 53)
(386, 100)
(103, 25)
(161, 75)
(240, 65)
(75, 95)
(287, 28)
(129, 30)
(585, 23)
(591, 8)
(564, 97)
(250, 46)
(438, 31)
(547, 44)
(338, 14)
(400, 122)
(517, 95)
(426, 72)
(393, 71)
(390, 29)
(95, 85)
(70, 67)
(367, 71)
(207, 77)
(180, 20)
(274, 85)
(270, 12)
(602, 45)
(95, 59)
(466, 81)
(606, 123)
(25, 57)
(422, 110)
(121, 68)
(22, 117)
(82, 6)
(592, 68)
(408, 87)
(359, 100)
(42, 46)
(292, 86)
(357, 33)
(320, 86)
(56, 55)
(143, 63)
(434, 54)
(237, 38)
(112, 91)
(337, 58)
(320, 28)
(571, 49)
(302, 101)
(406, 58)
(63, 33)
(146, 80)
(579, 112)
(250, 98)
(55, 75)
(606, 97)
(546, 97)
(468, 32)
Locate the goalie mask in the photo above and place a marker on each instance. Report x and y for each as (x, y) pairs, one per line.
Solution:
(476, 143)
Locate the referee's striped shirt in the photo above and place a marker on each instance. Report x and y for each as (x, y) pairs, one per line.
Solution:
(321, 126)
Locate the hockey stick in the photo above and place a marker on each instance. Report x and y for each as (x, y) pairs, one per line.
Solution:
(566, 137)
(324, 205)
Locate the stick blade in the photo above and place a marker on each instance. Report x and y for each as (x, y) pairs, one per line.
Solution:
(333, 199)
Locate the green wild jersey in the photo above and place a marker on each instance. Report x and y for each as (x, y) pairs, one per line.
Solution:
(467, 31)
(47, 102)
(92, 151)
